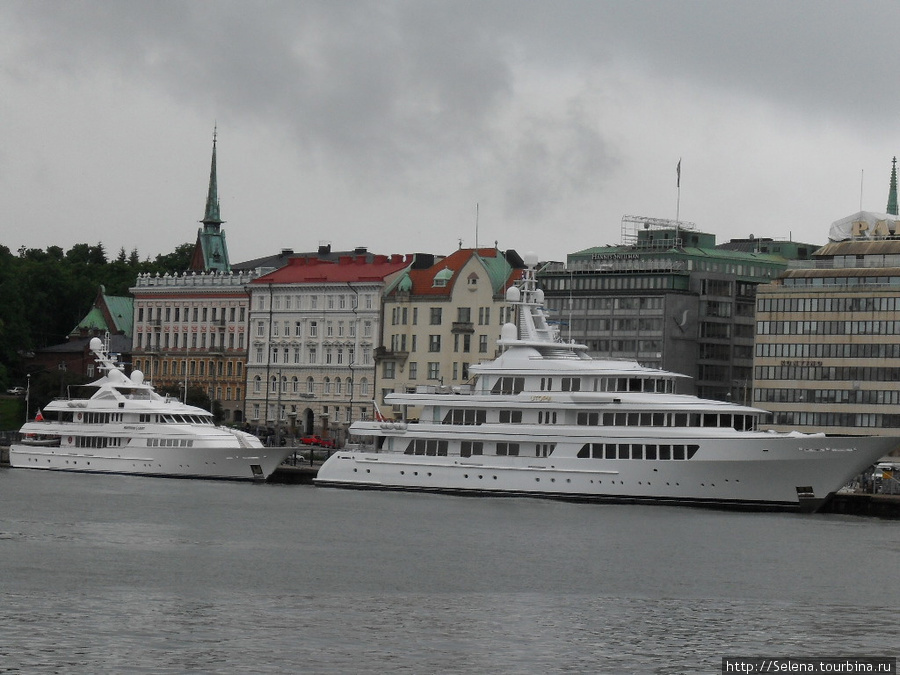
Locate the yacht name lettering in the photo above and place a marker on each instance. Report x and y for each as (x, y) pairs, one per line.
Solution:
(809, 364)
(826, 449)
(542, 399)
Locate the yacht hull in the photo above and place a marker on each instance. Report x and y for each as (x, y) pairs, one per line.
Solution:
(209, 463)
(778, 474)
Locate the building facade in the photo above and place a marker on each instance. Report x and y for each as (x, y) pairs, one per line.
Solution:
(827, 356)
(314, 326)
(668, 298)
(440, 318)
(190, 330)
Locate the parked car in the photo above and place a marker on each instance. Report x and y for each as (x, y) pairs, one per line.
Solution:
(318, 441)
(16, 391)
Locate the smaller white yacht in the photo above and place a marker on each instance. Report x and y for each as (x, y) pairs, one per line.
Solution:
(125, 427)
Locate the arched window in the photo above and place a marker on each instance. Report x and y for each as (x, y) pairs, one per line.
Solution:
(273, 385)
(309, 385)
(295, 385)
(327, 385)
(337, 386)
(257, 384)
(364, 387)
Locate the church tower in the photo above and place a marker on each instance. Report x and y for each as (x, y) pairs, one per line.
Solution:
(892, 194)
(211, 251)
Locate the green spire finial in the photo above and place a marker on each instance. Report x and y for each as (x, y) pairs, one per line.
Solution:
(892, 195)
(212, 198)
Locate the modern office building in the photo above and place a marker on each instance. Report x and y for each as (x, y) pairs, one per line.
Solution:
(827, 356)
(669, 298)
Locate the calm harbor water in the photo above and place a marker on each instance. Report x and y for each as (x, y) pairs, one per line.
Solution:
(114, 574)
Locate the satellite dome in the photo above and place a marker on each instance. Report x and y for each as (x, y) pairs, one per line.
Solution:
(137, 376)
(531, 259)
(508, 332)
(513, 294)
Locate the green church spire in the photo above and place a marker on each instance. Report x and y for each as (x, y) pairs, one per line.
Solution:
(892, 195)
(211, 219)
(211, 251)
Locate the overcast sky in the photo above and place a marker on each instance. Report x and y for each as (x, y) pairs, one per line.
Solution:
(383, 124)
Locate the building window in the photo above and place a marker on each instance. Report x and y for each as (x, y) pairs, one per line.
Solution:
(435, 316)
(434, 343)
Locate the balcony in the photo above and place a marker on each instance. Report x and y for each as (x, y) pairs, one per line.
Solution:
(463, 327)
(385, 354)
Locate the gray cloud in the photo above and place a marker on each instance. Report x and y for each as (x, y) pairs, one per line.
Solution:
(518, 101)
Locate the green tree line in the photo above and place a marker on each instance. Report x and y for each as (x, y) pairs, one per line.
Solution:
(44, 293)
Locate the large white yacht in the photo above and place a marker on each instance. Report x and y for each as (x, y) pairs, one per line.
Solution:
(126, 427)
(546, 420)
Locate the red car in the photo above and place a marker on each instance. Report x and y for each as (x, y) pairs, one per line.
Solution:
(317, 440)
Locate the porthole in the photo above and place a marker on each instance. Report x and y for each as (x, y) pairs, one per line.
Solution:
(402, 473)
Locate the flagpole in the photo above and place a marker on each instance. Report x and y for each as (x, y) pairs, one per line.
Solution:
(678, 198)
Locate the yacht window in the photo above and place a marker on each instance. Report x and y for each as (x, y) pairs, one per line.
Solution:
(507, 416)
(571, 384)
(610, 451)
(659, 419)
(677, 452)
(469, 448)
(650, 451)
(624, 451)
(507, 448)
(509, 385)
(665, 452)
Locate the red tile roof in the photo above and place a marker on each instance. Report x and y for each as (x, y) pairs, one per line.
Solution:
(347, 269)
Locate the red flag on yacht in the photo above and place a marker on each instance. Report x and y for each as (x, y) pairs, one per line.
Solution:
(39, 417)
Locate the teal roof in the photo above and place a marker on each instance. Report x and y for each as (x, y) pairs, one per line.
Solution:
(498, 269)
(122, 310)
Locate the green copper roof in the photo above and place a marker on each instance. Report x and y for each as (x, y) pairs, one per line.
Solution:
(498, 269)
(211, 217)
(892, 194)
(122, 310)
(211, 251)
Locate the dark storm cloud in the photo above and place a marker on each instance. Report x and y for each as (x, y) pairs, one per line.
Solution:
(378, 89)
(396, 94)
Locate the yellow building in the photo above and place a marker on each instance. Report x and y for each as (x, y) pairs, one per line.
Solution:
(441, 318)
